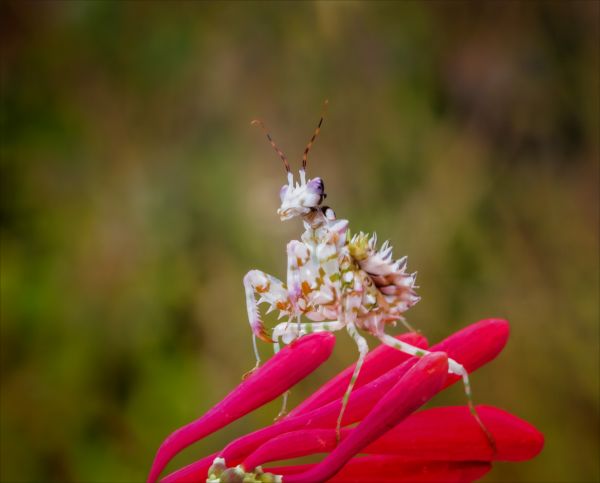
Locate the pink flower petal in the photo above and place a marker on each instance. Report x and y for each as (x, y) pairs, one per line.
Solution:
(192, 473)
(377, 362)
(418, 385)
(292, 445)
(439, 434)
(391, 469)
(473, 346)
(360, 403)
(452, 434)
(293, 363)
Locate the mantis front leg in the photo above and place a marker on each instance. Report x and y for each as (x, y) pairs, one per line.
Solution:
(297, 256)
(271, 290)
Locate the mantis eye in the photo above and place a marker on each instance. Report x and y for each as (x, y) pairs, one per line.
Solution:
(316, 187)
(283, 191)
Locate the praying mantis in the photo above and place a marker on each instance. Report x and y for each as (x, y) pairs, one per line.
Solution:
(335, 280)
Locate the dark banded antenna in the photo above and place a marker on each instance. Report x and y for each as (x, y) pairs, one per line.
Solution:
(312, 140)
(277, 150)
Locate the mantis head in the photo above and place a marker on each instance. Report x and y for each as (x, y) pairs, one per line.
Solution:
(304, 197)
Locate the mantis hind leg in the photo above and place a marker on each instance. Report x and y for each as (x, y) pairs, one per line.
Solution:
(363, 349)
(453, 368)
(459, 370)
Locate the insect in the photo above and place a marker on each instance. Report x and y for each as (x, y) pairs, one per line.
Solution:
(335, 280)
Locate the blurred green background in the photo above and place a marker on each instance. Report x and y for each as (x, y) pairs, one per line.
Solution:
(136, 195)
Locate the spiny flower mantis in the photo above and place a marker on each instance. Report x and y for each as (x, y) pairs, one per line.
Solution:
(334, 280)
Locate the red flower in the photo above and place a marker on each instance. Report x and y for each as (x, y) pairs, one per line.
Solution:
(441, 444)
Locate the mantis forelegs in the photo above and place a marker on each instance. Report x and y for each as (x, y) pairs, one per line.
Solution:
(271, 290)
(297, 256)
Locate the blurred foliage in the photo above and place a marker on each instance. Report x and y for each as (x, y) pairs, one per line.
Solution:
(135, 195)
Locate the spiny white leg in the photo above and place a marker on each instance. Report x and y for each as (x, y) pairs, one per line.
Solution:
(459, 369)
(289, 332)
(271, 290)
(407, 348)
(453, 368)
(297, 255)
(363, 349)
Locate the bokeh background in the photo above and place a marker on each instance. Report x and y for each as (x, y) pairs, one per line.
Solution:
(136, 195)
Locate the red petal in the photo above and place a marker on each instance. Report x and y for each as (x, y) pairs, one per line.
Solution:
(421, 472)
(382, 469)
(360, 403)
(293, 363)
(473, 346)
(193, 473)
(419, 385)
(390, 469)
(292, 445)
(439, 434)
(451, 433)
(377, 362)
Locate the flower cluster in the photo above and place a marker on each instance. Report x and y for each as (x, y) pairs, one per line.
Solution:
(395, 443)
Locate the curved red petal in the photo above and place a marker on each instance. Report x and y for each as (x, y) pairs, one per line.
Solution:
(417, 386)
(360, 403)
(377, 362)
(292, 445)
(452, 434)
(384, 469)
(293, 363)
(388, 469)
(439, 434)
(192, 473)
(473, 346)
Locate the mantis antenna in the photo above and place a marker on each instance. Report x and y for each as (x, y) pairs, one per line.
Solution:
(277, 150)
(312, 140)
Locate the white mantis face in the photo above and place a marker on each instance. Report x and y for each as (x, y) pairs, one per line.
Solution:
(301, 198)
(298, 199)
